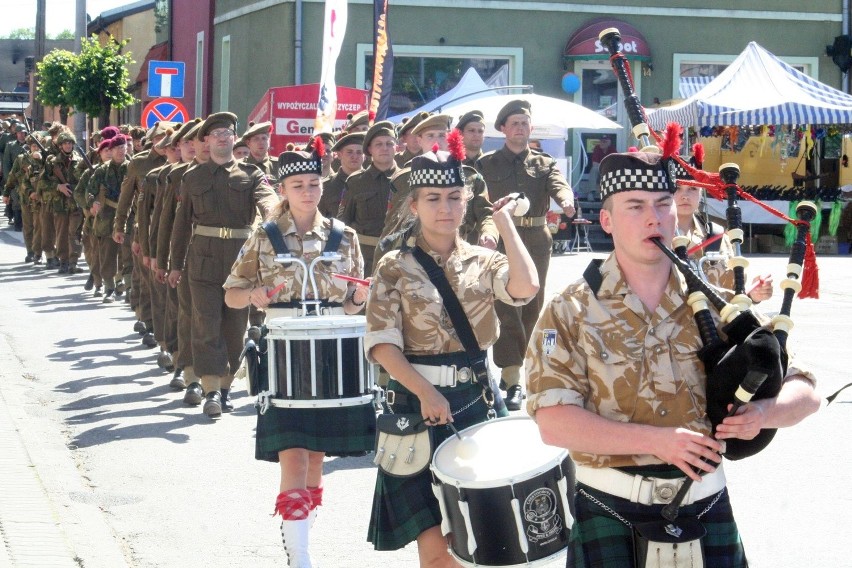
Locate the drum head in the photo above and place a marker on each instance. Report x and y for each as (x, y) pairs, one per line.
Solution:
(317, 327)
(479, 459)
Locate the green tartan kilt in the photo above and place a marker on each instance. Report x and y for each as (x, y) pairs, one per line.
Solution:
(345, 431)
(404, 507)
(599, 540)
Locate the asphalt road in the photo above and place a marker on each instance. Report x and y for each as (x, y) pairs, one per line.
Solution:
(136, 478)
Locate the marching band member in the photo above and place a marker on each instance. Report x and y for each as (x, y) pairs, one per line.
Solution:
(407, 323)
(299, 438)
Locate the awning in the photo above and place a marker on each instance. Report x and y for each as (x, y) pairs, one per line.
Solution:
(584, 43)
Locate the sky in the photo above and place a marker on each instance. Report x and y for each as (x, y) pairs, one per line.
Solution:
(60, 13)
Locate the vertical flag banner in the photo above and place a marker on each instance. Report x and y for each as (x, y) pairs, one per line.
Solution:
(380, 93)
(333, 32)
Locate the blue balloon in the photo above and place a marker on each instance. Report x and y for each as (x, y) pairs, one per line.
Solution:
(570, 83)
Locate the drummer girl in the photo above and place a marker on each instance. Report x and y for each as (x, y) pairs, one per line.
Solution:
(407, 323)
(697, 226)
(299, 438)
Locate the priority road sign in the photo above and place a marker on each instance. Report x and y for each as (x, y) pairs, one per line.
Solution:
(166, 78)
(164, 109)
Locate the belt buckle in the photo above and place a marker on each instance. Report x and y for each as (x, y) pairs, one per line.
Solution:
(390, 397)
(224, 232)
(664, 492)
(526, 222)
(464, 374)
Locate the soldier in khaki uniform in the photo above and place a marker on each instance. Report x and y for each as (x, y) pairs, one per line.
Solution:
(350, 151)
(57, 183)
(218, 205)
(472, 127)
(256, 138)
(517, 168)
(409, 334)
(192, 151)
(613, 375)
(408, 139)
(365, 199)
(14, 148)
(28, 167)
(81, 192)
(103, 193)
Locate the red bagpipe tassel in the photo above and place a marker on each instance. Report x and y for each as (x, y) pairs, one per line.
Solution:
(810, 271)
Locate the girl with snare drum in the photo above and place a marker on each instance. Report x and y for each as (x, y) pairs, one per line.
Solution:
(410, 333)
(299, 438)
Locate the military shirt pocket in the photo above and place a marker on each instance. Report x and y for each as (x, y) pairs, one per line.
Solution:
(688, 370)
(239, 194)
(614, 375)
(538, 169)
(368, 204)
(204, 201)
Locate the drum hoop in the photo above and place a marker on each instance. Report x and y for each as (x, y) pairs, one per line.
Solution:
(521, 477)
(531, 564)
(317, 334)
(321, 402)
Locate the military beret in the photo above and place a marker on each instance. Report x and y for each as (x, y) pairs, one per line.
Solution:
(518, 106)
(381, 128)
(109, 132)
(240, 143)
(118, 141)
(137, 132)
(168, 139)
(434, 122)
(359, 119)
(349, 139)
(104, 145)
(468, 117)
(192, 133)
(259, 128)
(328, 138)
(159, 129)
(408, 123)
(181, 133)
(632, 171)
(217, 120)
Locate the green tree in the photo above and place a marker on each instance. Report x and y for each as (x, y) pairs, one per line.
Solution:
(56, 72)
(101, 79)
(22, 33)
(64, 34)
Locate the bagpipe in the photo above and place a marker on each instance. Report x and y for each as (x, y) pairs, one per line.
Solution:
(747, 361)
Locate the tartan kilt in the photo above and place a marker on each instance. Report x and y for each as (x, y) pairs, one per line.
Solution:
(404, 507)
(343, 431)
(599, 540)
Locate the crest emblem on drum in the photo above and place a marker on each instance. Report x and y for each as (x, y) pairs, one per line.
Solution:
(402, 423)
(540, 512)
(548, 342)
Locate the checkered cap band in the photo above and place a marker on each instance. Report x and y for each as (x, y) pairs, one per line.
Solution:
(634, 178)
(680, 172)
(300, 167)
(435, 177)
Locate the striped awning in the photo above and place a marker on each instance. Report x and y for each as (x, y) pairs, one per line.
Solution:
(758, 88)
(690, 85)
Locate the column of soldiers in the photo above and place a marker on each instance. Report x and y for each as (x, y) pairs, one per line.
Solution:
(161, 215)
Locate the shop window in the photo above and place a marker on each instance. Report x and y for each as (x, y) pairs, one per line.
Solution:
(421, 74)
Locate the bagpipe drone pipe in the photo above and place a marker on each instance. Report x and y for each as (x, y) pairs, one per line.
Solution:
(747, 361)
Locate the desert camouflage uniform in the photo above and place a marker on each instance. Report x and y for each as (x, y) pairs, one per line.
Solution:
(717, 271)
(607, 353)
(406, 310)
(342, 431)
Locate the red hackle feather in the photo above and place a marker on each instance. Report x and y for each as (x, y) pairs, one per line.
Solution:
(455, 145)
(319, 146)
(371, 116)
(435, 148)
(698, 152)
(672, 140)
(810, 271)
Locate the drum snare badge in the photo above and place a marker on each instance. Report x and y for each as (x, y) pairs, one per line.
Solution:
(540, 512)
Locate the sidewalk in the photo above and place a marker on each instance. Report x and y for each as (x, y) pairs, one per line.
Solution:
(41, 525)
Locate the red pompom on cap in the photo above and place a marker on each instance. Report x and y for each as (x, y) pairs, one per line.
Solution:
(455, 144)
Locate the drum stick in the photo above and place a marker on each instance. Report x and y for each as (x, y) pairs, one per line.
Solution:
(453, 428)
(276, 290)
(360, 281)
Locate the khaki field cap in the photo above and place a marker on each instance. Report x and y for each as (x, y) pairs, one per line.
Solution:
(408, 123)
(382, 128)
(217, 120)
(354, 138)
(518, 106)
(434, 122)
(259, 128)
(468, 117)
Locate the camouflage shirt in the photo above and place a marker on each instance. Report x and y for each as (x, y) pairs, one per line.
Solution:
(607, 353)
(716, 271)
(256, 266)
(406, 310)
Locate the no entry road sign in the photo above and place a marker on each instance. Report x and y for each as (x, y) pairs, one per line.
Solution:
(164, 109)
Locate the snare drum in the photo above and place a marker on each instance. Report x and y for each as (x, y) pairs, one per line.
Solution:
(504, 511)
(318, 362)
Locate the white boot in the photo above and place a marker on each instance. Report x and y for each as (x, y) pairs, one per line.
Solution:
(295, 535)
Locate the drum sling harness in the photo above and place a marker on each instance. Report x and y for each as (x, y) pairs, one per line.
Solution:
(276, 239)
(475, 355)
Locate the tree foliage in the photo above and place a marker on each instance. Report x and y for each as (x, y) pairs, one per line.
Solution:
(55, 72)
(64, 34)
(101, 78)
(21, 33)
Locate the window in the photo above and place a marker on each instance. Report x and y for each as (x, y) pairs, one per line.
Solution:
(423, 73)
(225, 79)
(162, 21)
(694, 70)
(199, 74)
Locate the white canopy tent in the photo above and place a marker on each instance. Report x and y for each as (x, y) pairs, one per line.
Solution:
(469, 84)
(758, 88)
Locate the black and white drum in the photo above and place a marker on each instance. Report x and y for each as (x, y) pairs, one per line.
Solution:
(504, 511)
(318, 362)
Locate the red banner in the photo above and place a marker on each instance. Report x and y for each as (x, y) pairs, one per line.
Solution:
(293, 110)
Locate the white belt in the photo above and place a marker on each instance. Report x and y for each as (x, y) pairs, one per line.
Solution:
(648, 490)
(444, 375)
(272, 313)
